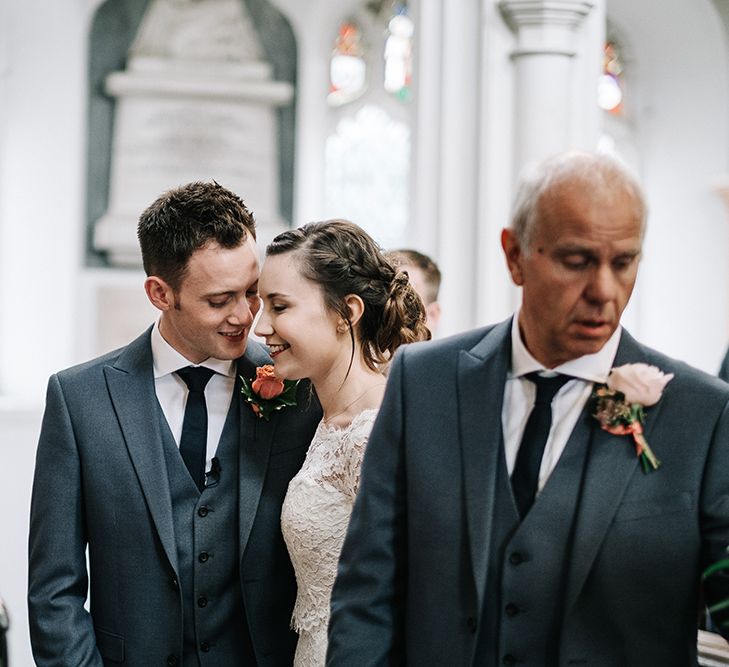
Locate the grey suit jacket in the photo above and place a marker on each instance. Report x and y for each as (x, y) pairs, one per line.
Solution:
(413, 570)
(101, 481)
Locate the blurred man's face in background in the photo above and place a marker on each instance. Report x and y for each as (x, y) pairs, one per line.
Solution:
(417, 280)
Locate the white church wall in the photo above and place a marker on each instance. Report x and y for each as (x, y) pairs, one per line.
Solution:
(19, 426)
(678, 76)
(42, 79)
(40, 192)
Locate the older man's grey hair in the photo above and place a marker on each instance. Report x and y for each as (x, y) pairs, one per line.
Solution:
(604, 175)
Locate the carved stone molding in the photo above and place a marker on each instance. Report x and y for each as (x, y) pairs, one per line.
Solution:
(545, 26)
(191, 30)
(545, 12)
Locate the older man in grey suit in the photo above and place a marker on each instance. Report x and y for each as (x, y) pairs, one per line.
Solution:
(498, 522)
(151, 458)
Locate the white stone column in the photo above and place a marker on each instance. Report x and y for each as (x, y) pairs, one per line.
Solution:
(546, 43)
(311, 113)
(458, 178)
(426, 172)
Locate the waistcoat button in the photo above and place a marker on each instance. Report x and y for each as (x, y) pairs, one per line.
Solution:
(511, 609)
(202, 511)
(515, 558)
(202, 601)
(508, 660)
(172, 661)
(203, 557)
(204, 647)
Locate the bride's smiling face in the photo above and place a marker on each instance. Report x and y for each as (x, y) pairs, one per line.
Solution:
(299, 329)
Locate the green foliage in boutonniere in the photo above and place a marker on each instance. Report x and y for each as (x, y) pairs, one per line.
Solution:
(268, 393)
(619, 406)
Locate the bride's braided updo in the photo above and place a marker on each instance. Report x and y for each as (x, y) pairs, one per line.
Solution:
(343, 259)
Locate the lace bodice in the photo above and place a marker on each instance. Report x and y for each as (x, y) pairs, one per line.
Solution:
(315, 516)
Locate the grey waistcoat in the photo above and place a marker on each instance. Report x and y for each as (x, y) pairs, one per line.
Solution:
(527, 563)
(206, 532)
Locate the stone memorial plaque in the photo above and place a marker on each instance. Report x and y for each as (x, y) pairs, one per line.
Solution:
(191, 108)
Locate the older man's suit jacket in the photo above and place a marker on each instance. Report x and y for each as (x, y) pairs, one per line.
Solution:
(101, 480)
(413, 572)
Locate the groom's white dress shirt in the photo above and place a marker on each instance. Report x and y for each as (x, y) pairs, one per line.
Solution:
(519, 395)
(172, 391)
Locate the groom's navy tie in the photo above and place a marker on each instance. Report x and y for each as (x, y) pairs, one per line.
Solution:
(525, 477)
(194, 438)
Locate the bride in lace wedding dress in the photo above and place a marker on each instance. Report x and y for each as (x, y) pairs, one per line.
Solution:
(314, 521)
(334, 311)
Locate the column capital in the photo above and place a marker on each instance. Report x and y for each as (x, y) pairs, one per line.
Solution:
(566, 13)
(545, 26)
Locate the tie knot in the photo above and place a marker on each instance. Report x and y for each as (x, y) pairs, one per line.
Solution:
(547, 387)
(195, 377)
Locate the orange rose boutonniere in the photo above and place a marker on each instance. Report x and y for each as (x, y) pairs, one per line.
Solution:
(268, 393)
(619, 405)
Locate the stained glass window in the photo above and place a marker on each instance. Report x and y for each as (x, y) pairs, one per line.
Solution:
(367, 173)
(367, 151)
(398, 52)
(610, 93)
(617, 136)
(347, 67)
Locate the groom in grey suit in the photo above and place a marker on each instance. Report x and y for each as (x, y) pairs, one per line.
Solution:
(172, 482)
(469, 545)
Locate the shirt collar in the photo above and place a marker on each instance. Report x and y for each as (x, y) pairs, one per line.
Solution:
(590, 367)
(167, 359)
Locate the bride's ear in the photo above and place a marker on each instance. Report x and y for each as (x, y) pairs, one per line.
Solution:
(159, 293)
(356, 307)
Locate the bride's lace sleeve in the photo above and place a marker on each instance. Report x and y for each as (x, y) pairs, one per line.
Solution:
(353, 465)
(353, 448)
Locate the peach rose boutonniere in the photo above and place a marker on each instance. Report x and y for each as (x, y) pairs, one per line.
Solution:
(268, 393)
(619, 405)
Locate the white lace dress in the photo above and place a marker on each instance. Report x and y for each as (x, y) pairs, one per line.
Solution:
(314, 520)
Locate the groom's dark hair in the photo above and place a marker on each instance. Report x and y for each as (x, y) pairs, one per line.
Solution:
(186, 219)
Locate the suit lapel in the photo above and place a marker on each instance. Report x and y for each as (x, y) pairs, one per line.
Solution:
(611, 464)
(481, 379)
(131, 387)
(256, 439)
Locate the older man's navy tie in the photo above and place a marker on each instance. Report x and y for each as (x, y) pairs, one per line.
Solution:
(194, 438)
(525, 477)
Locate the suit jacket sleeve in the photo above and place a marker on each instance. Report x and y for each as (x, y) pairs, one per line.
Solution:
(366, 626)
(61, 629)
